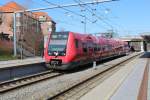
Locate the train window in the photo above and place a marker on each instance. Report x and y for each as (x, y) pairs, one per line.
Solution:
(76, 43)
(84, 47)
(104, 47)
(98, 48)
(109, 47)
(95, 47)
(59, 36)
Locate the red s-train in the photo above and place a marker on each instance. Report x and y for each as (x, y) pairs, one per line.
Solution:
(67, 50)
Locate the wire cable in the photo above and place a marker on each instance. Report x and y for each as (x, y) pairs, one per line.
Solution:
(83, 16)
(95, 14)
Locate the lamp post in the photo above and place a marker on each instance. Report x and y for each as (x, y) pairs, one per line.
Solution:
(14, 35)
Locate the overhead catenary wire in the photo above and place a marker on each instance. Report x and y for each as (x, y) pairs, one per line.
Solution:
(63, 8)
(93, 14)
(13, 8)
(35, 14)
(63, 22)
(114, 24)
(60, 7)
(105, 18)
(83, 16)
(67, 5)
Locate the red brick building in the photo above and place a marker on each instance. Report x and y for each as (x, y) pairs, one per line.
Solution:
(6, 25)
(6, 19)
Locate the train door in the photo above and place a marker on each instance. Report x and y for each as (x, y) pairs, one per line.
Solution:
(85, 50)
(90, 48)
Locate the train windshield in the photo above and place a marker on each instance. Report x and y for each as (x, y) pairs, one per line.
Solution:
(57, 47)
(58, 42)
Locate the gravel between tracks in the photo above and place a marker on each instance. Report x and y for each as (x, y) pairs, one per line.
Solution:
(47, 88)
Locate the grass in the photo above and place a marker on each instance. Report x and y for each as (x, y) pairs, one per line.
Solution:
(5, 57)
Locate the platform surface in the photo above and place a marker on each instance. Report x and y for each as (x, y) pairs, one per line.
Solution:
(15, 63)
(124, 84)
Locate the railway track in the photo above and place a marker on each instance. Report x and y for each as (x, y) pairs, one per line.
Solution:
(24, 81)
(77, 90)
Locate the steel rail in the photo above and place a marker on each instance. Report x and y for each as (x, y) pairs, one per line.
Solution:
(27, 80)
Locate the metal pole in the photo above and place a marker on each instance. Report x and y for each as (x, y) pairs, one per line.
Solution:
(94, 65)
(21, 38)
(84, 24)
(14, 35)
(142, 46)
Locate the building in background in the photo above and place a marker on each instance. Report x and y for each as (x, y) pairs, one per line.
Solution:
(6, 17)
(6, 26)
(30, 27)
(47, 24)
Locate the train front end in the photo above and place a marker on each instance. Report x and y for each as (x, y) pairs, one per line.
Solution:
(57, 52)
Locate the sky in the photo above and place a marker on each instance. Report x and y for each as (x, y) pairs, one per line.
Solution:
(125, 17)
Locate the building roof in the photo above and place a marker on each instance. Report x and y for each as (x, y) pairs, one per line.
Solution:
(11, 7)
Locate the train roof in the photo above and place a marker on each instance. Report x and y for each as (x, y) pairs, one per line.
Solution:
(95, 39)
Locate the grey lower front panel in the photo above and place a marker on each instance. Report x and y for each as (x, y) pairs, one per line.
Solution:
(70, 65)
(67, 66)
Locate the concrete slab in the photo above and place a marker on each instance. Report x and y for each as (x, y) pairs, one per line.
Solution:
(129, 90)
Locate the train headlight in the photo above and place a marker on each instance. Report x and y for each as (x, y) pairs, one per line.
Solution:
(63, 54)
(49, 53)
(56, 53)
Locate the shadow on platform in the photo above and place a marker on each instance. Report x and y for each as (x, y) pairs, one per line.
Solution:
(146, 55)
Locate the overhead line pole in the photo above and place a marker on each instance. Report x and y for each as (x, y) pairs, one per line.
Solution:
(85, 24)
(95, 15)
(14, 35)
(72, 12)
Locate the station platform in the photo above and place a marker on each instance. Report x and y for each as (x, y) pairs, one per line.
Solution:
(13, 69)
(16, 63)
(131, 82)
